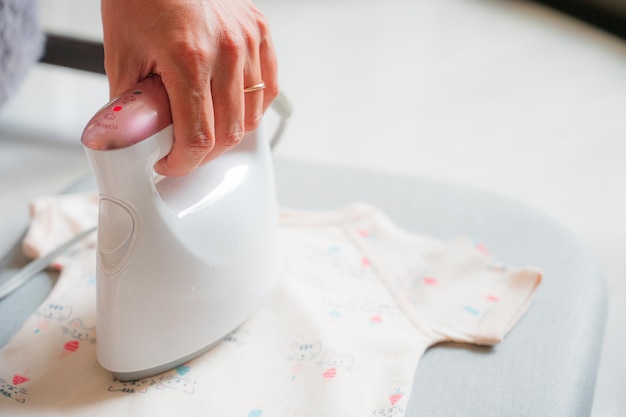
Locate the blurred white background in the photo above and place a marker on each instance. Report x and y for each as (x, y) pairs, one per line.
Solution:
(501, 95)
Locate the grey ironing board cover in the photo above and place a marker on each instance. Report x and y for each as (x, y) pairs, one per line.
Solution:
(546, 366)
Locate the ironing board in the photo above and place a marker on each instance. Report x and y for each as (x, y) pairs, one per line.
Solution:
(545, 367)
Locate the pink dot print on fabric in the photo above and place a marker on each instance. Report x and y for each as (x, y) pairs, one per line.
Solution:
(395, 396)
(483, 249)
(69, 348)
(430, 281)
(19, 379)
(376, 319)
(330, 373)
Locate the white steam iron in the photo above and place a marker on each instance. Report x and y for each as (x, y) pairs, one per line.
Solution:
(181, 262)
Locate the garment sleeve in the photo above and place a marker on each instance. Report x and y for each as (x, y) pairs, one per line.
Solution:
(57, 219)
(451, 290)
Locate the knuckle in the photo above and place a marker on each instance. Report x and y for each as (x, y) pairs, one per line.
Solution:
(264, 25)
(261, 21)
(198, 147)
(232, 45)
(194, 54)
(232, 139)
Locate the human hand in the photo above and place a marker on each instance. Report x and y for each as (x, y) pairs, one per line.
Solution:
(206, 52)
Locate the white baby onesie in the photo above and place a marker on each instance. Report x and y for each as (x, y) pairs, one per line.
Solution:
(358, 303)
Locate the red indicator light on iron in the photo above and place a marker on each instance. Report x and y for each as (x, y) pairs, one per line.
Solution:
(117, 108)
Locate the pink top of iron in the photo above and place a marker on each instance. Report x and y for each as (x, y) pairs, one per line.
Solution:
(135, 115)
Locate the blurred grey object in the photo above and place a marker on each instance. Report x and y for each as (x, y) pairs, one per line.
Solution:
(21, 43)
